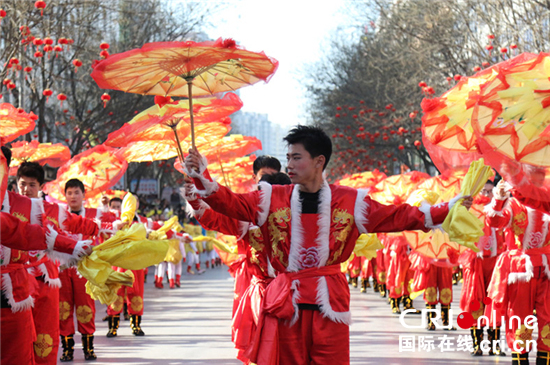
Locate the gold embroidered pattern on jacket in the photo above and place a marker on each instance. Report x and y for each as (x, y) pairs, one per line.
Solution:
(278, 231)
(342, 223)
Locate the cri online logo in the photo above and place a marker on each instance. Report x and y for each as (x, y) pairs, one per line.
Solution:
(465, 320)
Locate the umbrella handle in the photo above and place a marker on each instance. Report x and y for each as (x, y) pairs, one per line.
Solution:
(190, 89)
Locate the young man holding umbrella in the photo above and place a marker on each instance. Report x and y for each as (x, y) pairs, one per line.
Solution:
(311, 228)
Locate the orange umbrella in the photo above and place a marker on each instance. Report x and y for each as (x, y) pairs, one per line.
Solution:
(229, 147)
(448, 183)
(397, 188)
(14, 122)
(98, 169)
(184, 69)
(155, 123)
(447, 132)
(362, 180)
(158, 149)
(95, 200)
(235, 173)
(510, 121)
(54, 155)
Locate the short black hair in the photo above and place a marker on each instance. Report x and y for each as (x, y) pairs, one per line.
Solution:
(115, 199)
(314, 140)
(266, 161)
(7, 154)
(74, 183)
(32, 170)
(277, 178)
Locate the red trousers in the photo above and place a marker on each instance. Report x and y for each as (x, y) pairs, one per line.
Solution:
(368, 268)
(17, 337)
(72, 295)
(381, 266)
(522, 299)
(439, 279)
(46, 322)
(354, 267)
(313, 339)
(133, 295)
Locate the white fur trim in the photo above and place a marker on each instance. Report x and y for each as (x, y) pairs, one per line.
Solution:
(270, 269)
(37, 210)
(244, 227)
(361, 210)
(210, 186)
(265, 202)
(296, 231)
(6, 254)
(323, 235)
(490, 211)
(526, 276)
(53, 283)
(426, 209)
(323, 300)
(63, 258)
(7, 289)
(295, 298)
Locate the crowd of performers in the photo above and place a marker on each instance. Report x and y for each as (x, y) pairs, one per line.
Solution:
(295, 242)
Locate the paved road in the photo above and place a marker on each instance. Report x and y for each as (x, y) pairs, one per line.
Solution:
(191, 325)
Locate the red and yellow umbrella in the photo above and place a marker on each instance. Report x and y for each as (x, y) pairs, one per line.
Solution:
(446, 129)
(54, 155)
(184, 69)
(362, 180)
(98, 168)
(14, 122)
(446, 184)
(162, 149)
(511, 122)
(230, 147)
(95, 200)
(155, 123)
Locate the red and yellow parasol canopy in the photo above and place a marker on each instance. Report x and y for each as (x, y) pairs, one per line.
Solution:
(14, 122)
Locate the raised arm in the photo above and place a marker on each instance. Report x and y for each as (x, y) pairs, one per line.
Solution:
(243, 207)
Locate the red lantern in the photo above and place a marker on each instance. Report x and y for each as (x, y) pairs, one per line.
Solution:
(62, 41)
(57, 49)
(37, 42)
(457, 77)
(422, 84)
(489, 48)
(14, 61)
(417, 143)
(105, 98)
(77, 63)
(47, 93)
(104, 45)
(48, 41)
(401, 147)
(449, 79)
(485, 64)
(38, 54)
(2, 14)
(491, 37)
(27, 69)
(513, 46)
(61, 97)
(104, 54)
(40, 5)
(477, 68)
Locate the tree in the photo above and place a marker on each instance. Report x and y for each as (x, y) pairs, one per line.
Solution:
(407, 43)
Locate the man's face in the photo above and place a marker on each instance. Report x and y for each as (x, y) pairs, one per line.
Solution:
(264, 171)
(301, 166)
(115, 205)
(488, 191)
(29, 186)
(74, 197)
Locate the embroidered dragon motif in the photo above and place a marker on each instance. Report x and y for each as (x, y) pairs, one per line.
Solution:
(278, 231)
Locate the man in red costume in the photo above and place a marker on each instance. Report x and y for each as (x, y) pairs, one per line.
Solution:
(521, 279)
(72, 295)
(477, 271)
(311, 228)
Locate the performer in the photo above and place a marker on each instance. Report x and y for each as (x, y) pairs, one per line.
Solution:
(72, 295)
(132, 296)
(477, 270)
(257, 269)
(311, 228)
(368, 270)
(521, 279)
(30, 180)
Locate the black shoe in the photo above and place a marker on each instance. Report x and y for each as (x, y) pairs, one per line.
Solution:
(88, 347)
(68, 348)
(114, 321)
(135, 324)
(477, 337)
